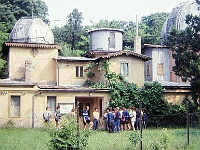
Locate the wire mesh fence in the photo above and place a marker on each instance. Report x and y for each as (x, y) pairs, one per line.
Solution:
(162, 136)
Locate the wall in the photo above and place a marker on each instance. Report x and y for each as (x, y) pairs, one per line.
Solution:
(36, 65)
(136, 68)
(99, 40)
(160, 55)
(67, 73)
(175, 96)
(25, 94)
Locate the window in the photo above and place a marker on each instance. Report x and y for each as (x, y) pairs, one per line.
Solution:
(51, 103)
(79, 71)
(15, 106)
(161, 69)
(124, 69)
(148, 70)
(112, 39)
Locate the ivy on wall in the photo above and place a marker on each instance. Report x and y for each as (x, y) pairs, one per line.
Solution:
(126, 94)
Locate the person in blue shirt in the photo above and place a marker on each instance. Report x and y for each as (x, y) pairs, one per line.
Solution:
(117, 119)
(86, 118)
(110, 117)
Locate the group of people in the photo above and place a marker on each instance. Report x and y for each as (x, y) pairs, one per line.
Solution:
(47, 115)
(122, 119)
(116, 119)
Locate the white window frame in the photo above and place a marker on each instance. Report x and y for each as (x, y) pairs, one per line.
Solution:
(124, 68)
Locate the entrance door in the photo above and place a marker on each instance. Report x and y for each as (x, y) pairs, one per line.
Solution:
(83, 102)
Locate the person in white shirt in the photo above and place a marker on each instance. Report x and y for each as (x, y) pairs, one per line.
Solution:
(132, 114)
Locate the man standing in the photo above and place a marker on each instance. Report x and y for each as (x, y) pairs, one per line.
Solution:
(117, 119)
(110, 117)
(86, 118)
(57, 116)
(95, 119)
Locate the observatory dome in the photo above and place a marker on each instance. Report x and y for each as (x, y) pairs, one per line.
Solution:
(177, 17)
(31, 30)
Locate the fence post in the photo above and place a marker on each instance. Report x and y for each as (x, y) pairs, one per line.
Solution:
(140, 125)
(187, 114)
(78, 132)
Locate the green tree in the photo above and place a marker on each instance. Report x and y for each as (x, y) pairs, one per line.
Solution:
(13, 10)
(151, 26)
(73, 34)
(186, 49)
(73, 28)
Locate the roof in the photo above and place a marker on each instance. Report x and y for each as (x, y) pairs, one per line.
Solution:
(154, 46)
(9, 82)
(177, 16)
(31, 30)
(76, 58)
(93, 55)
(106, 29)
(32, 45)
(70, 88)
(167, 84)
(127, 53)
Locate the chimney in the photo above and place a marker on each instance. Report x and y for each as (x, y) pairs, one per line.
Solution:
(137, 41)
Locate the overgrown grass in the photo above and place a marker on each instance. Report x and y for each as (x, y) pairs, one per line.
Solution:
(37, 139)
(24, 139)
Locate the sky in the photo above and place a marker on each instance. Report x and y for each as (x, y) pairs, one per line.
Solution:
(95, 10)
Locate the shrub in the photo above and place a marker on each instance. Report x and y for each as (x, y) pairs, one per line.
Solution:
(67, 138)
(134, 138)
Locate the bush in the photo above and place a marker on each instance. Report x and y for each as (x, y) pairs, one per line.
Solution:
(67, 138)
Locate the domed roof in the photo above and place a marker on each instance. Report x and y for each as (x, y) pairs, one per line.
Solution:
(31, 30)
(177, 17)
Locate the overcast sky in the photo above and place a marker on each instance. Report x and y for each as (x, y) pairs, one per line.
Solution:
(95, 10)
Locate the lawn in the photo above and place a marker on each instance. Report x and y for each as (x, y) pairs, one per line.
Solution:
(37, 139)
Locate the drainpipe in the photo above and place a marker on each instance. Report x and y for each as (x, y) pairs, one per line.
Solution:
(33, 108)
(58, 73)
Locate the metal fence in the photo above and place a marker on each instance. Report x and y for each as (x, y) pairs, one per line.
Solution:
(185, 134)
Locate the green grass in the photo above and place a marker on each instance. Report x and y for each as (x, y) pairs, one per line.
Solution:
(23, 139)
(37, 139)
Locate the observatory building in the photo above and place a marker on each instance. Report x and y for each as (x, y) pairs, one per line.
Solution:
(177, 17)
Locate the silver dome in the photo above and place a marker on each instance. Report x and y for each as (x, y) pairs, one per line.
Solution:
(177, 17)
(31, 30)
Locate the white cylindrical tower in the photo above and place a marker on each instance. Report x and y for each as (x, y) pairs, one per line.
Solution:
(105, 39)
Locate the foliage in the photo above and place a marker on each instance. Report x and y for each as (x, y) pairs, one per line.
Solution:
(67, 52)
(152, 99)
(135, 138)
(13, 10)
(162, 141)
(186, 48)
(151, 26)
(89, 83)
(66, 136)
(73, 28)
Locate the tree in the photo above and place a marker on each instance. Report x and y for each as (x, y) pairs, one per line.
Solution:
(73, 28)
(151, 26)
(73, 34)
(13, 10)
(186, 49)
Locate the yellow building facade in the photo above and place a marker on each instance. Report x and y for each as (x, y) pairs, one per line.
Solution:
(38, 77)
